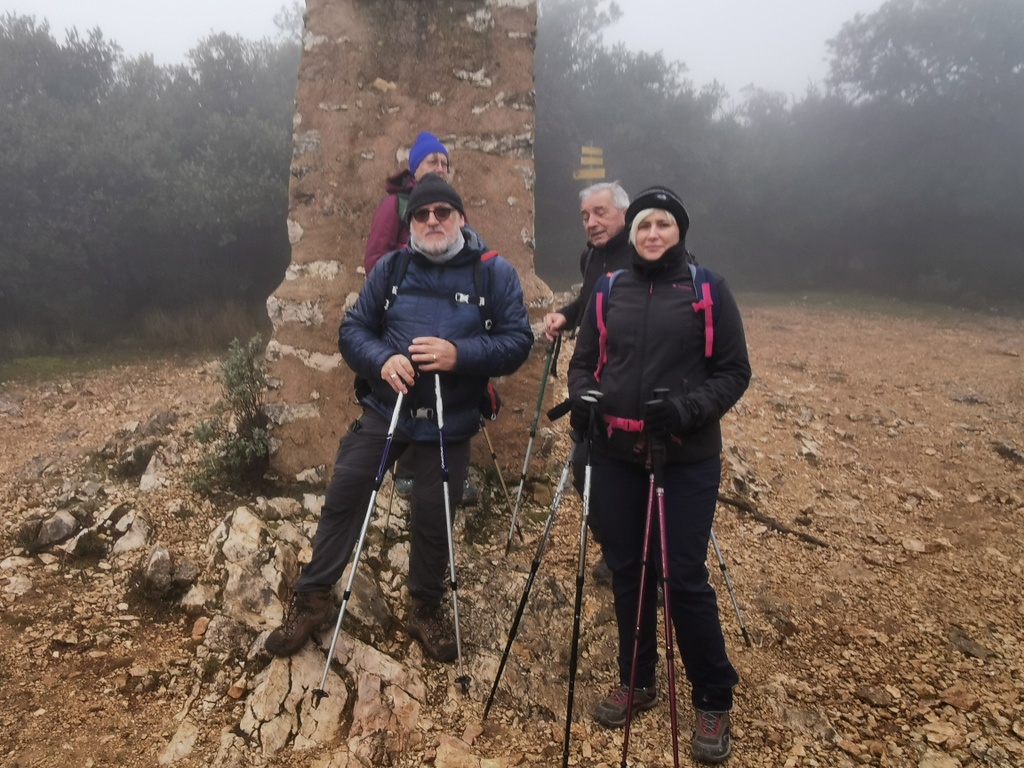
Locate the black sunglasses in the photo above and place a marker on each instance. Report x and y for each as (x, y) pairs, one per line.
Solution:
(441, 213)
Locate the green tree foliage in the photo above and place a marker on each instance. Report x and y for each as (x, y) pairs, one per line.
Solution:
(238, 452)
(938, 89)
(129, 187)
(903, 177)
(639, 108)
(913, 50)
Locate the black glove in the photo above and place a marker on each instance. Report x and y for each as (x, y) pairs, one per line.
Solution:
(661, 418)
(579, 416)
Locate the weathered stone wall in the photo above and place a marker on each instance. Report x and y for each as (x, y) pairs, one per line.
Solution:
(373, 74)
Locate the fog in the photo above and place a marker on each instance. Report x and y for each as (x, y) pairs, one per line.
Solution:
(897, 168)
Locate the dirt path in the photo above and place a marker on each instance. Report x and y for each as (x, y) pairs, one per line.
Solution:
(895, 440)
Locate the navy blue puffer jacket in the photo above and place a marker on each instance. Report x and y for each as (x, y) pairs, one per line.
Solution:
(426, 306)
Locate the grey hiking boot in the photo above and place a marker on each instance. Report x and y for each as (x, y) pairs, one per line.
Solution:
(611, 712)
(712, 737)
(307, 611)
(430, 626)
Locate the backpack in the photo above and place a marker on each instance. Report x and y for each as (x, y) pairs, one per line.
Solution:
(396, 274)
(401, 205)
(703, 285)
(479, 298)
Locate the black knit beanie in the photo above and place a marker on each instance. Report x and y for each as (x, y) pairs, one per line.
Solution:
(433, 189)
(663, 198)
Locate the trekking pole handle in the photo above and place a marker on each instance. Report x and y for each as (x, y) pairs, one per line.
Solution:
(592, 397)
(560, 410)
(657, 447)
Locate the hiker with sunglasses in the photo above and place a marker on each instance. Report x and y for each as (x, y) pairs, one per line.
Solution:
(389, 231)
(442, 307)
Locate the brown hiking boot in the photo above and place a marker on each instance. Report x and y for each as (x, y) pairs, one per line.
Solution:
(306, 612)
(611, 712)
(430, 625)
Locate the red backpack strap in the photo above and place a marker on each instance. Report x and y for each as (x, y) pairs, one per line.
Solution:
(601, 293)
(702, 287)
(488, 256)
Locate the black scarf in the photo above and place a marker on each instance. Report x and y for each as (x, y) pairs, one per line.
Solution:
(671, 258)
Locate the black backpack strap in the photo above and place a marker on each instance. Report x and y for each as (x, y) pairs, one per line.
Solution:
(482, 293)
(479, 297)
(399, 267)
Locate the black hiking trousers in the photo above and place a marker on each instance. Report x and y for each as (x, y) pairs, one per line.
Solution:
(691, 493)
(348, 495)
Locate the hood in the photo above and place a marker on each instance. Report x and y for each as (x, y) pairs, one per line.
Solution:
(402, 181)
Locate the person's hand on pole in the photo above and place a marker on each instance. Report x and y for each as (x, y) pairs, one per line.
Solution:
(554, 322)
(431, 354)
(398, 373)
(580, 415)
(661, 418)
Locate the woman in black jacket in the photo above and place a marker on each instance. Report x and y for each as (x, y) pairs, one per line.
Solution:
(650, 328)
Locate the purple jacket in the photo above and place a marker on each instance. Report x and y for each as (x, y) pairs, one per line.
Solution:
(387, 231)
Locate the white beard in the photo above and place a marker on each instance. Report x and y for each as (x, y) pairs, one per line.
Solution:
(440, 251)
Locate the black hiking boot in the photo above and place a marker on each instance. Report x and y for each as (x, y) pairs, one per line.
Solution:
(611, 712)
(430, 626)
(602, 574)
(712, 737)
(470, 494)
(307, 611)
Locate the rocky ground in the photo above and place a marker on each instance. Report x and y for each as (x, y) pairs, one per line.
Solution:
(879, 580)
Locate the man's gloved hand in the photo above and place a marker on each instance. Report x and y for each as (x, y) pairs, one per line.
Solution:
(579, 416)
(661, 418)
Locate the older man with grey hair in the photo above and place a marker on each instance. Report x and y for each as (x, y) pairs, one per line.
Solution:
(603, 212)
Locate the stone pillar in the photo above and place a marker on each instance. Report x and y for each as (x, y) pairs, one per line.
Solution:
(373, 74)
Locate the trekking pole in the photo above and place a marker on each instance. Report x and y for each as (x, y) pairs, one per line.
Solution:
(391, 501)
(658, 460)
(656, 495)
(497, 468)
(644, 564)
(320, 693)
(581, 569)
(541, 547)
(728, 585)
(552, 352)
(463, 679)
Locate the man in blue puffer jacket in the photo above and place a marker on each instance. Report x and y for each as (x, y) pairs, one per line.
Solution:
(433, 329)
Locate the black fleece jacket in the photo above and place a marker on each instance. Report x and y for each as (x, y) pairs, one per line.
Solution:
(655, 339)
(594, 262)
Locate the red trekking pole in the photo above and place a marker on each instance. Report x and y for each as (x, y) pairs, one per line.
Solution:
(656, 495)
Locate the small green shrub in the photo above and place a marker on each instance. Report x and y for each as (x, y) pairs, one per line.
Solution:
(239, 448)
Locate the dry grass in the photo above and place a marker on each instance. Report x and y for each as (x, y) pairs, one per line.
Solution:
(29, 354)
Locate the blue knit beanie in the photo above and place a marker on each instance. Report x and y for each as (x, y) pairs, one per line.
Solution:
(426, 144)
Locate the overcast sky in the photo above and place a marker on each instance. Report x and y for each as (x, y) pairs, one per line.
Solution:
(774, 44)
